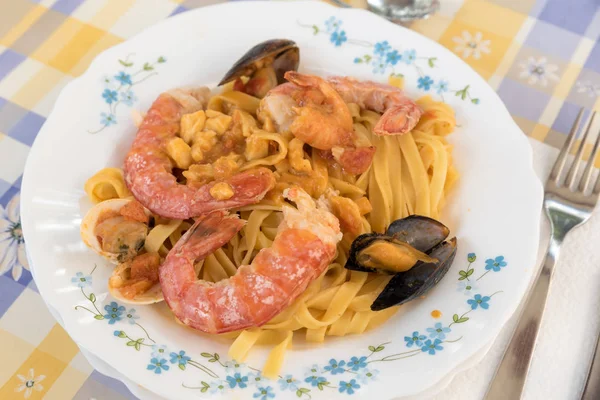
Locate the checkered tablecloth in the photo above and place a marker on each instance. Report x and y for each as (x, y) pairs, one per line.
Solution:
(542, 57)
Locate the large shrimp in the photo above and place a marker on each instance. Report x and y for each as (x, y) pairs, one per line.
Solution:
(400, 113)
(305, 244)
(315, 113)
(148, 166)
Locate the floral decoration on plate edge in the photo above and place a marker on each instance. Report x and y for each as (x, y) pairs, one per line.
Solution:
(386, 58)
(345, 376)
(117, 89)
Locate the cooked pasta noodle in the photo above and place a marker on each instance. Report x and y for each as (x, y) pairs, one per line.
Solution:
(410, 174)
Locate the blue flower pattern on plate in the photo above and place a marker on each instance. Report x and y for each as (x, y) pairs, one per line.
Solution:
(357, 363)
(335, 367)
(81, 280)
(237, 380)
(117, 89)
(393, 57)
(288, 382)
(348, 387)
(158, 365)
(132, 316)
(385, 58)
(109, 96)
(441, 87)
(438, 331)
(381, 48)
(113, 312)
(315, 380)
(432, 346)
(159, 351)
(264, 393)
(338, 37)
(128, 98)
(425, 83)
(495, 264)
(479, 301)
(179, 358)
(415, 339)
(124, 78)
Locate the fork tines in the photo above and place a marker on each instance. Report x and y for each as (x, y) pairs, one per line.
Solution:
(559, 166)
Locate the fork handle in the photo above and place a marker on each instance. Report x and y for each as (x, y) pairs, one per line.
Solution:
(510, 376)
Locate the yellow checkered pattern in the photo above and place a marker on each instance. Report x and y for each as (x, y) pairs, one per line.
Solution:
(46, 43)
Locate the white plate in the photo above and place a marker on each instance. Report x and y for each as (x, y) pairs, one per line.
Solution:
(494, 211)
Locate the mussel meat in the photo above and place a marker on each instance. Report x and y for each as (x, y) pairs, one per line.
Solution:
(264, 65)
(413, 249)
(407, 286)
(372, 252)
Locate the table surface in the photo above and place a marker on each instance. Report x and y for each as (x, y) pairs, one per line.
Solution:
(541, 56)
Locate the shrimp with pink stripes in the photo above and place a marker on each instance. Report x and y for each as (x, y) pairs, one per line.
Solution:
(148, 167)
(305, 244)
(400, 113)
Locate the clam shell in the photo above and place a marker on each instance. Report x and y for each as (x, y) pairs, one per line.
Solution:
(89, 222)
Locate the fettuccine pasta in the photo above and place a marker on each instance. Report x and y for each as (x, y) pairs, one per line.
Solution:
(410, 174)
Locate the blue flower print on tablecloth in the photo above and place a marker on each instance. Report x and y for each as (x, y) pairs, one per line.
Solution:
(12, 244)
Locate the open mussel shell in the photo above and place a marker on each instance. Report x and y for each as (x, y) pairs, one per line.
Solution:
(373, 252)
(407, 286)
(282, 54)
(420, 232)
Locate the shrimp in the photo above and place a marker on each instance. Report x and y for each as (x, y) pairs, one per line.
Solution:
(148, 166)
(305, 244)
(400, 113)
(315, 113)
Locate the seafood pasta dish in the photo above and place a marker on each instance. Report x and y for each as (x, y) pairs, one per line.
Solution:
(278, 205)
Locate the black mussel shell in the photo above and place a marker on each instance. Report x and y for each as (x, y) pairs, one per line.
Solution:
(420, 232)
(408, 285)
(286, 58)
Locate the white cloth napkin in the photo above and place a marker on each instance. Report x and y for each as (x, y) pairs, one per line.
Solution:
(571, 321)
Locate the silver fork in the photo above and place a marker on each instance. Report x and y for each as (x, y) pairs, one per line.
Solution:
(568, 204)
